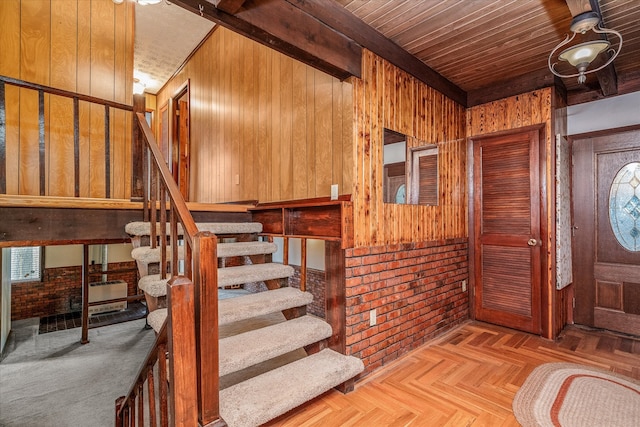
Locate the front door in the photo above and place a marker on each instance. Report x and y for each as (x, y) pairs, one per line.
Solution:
(506, 227)
(606, 246)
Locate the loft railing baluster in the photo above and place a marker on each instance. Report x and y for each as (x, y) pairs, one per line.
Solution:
(3, 141)
(107, 152)
(41, 147)
(76, 147)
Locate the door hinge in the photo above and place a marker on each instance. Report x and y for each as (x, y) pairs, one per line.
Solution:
(573, 302)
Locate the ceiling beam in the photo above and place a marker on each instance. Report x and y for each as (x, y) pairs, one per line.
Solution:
(627, 83)
(229, 6)
(525, 83)
(343, 21)
(576, 7)
(287, 29)
(607, 77)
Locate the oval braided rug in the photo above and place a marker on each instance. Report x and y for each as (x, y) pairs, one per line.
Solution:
(569, 395)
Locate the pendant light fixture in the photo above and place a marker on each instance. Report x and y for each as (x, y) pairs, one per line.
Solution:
(583, 54)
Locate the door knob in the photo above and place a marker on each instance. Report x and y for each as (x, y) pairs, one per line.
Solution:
(532, 242)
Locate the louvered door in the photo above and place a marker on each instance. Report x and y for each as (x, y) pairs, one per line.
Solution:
(506, 222)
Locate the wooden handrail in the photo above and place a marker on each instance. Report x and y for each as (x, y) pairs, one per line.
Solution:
(193, 314)
(65, 93)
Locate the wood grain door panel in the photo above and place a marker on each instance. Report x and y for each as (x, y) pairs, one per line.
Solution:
(606, 275)
(507, 269)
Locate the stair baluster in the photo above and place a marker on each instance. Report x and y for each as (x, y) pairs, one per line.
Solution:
(194, 398)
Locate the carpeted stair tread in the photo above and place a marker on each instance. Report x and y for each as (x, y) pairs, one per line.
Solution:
(247, 306)
(156, 319)
(148, 255)
(265, 397)
(154, 285)
(141, 228)
(250, 348)
(252, 305)
(242, 274)
(245, 249)
(228, 276)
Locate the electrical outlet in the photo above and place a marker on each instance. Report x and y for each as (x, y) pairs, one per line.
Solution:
(464, 286)
(372, 317)
(334, 191)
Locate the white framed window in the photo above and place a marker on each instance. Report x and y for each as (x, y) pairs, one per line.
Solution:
(26, 264)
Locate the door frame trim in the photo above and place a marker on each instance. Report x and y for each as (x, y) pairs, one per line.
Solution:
(546, 297)
(183, 90)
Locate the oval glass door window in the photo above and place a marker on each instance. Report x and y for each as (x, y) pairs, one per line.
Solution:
(624, 206)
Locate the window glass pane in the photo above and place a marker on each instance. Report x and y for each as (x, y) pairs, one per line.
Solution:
(25, 263)
(624, 207)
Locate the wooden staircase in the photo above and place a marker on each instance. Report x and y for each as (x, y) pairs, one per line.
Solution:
(254, 334)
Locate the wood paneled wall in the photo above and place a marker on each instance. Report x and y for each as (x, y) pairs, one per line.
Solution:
(511, 113)
(389, 97)
(81, 46)
(263, 126)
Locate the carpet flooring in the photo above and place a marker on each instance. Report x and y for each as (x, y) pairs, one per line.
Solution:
(51, 380)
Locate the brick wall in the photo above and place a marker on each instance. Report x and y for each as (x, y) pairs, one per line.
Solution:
(60, 290)
(416, 290)
(316, 283)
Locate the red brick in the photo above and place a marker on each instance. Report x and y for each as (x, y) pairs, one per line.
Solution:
(415, 288)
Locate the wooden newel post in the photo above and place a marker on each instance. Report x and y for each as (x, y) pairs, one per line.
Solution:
(182, 347)
(205, 278)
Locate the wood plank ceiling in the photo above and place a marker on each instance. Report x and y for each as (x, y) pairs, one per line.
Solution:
(482, 44)
(472, 51)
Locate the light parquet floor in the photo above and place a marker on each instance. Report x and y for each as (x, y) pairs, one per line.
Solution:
(468, 377)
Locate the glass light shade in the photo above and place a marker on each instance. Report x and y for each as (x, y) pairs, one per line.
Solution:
(583, 52)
